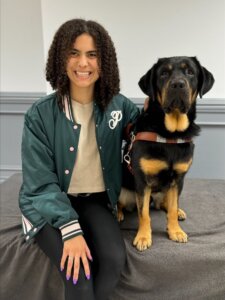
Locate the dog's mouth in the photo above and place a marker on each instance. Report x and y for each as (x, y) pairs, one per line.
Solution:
(176, 96)
(176, 103)
(176, 106)
(176, 100)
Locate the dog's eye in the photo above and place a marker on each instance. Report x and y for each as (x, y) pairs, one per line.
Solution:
(189, 72)
(164, 74)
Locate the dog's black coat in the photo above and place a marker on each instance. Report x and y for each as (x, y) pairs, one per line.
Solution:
(180, 76)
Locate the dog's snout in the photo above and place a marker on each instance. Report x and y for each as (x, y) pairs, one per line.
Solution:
(177, 84)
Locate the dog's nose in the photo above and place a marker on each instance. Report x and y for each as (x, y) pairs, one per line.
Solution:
(177, 84)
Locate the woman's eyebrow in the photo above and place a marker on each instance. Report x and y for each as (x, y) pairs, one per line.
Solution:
(89, 51)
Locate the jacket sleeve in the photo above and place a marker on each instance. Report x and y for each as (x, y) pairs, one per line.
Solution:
(131, 114)
(41, 191)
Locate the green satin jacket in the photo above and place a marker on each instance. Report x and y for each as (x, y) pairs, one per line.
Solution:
(49, 147)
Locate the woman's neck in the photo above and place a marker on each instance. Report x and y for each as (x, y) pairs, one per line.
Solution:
(83, 96)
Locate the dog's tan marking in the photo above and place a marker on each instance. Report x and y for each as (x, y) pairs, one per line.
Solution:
(182, 122)
(171, 122)
(143, 239)
(163, 94)
(174, 230)
(176, 121)
(194, 96)
(152, 166)
(120, 215)
(169, 67)
(160, 99)
(183, 166)
(181, 214)
(127, 199)
(183, 66)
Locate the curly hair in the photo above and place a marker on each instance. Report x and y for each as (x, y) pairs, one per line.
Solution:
(108, 83)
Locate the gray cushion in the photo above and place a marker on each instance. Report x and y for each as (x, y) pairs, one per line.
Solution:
(167, 270)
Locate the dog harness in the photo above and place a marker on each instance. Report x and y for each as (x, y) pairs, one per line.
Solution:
(150, 136)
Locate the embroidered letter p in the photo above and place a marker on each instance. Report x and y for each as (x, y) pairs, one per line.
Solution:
(116, 117)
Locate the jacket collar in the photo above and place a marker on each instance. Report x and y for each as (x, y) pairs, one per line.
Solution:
(68, 110)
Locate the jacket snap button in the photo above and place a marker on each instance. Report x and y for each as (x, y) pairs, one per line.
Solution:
(75, 126)
(71, 149)
(67, 172)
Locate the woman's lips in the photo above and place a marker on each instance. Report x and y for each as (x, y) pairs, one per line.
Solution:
(83, 75)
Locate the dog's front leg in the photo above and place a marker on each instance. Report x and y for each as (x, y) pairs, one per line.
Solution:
(143, 239)
(174, 230)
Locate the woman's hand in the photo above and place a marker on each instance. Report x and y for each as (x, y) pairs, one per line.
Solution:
(76, 249)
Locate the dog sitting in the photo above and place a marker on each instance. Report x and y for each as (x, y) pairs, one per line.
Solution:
(160, 152)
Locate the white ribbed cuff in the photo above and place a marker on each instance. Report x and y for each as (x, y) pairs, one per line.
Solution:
(70, 230)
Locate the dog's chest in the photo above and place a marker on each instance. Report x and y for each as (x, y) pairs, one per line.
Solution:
(161, 170)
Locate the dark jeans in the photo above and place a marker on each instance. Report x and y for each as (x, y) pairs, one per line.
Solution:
(103, 236)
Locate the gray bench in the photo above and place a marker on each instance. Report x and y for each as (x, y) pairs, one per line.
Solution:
(168, 270)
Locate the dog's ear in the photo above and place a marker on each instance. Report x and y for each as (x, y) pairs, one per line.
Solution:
(146, 83)
(206, 79)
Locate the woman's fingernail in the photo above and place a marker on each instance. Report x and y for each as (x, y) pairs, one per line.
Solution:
(74, 281)
(67, 277)
(61, 269)
(88, 277)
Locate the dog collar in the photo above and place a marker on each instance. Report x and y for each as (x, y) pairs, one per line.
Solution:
(154, 137)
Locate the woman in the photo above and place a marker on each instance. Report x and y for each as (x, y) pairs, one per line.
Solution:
(71, 157)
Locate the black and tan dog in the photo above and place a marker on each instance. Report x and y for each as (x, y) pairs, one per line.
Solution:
(161, 148)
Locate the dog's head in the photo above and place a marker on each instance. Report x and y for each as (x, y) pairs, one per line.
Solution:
(175, 82)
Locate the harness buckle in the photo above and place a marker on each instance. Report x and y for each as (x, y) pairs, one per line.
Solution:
(127, 158)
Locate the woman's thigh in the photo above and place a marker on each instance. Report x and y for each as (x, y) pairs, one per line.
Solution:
(101, 229)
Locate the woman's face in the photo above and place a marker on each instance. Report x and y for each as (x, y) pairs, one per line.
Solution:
(82, 65)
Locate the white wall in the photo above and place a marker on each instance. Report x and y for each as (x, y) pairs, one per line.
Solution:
(22, 54)
(142, 31)
(145, 30)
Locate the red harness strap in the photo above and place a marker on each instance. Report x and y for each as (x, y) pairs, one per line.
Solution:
(150, 137)
(154, 137)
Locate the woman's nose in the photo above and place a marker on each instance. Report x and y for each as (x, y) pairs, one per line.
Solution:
(83, 62)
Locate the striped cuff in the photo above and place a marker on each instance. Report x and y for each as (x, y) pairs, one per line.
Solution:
(70, 230)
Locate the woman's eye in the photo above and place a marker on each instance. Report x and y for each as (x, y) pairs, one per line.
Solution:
(92, 54)
(73, 53)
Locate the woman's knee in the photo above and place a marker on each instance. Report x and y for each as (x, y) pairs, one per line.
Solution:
(82, 290)
(114, 258)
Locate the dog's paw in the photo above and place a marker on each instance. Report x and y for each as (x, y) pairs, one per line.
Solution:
(142, 242)
(120, 215)
(181, 215)
(178, 236)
